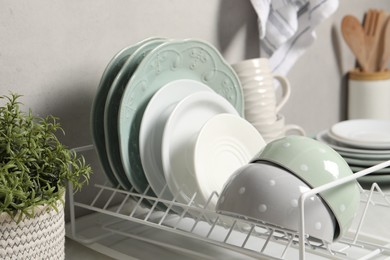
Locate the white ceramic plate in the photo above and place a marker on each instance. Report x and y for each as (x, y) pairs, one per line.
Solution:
(180, 133)
(365, 133)
(225, 143)
(152, 125)
(324, 137)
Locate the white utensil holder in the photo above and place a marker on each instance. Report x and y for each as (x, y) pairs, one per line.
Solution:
(369, 95)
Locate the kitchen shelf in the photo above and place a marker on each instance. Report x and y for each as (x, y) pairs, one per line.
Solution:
(118, 215)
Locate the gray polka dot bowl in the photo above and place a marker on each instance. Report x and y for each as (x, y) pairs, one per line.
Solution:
(268, 194)
(316, 164)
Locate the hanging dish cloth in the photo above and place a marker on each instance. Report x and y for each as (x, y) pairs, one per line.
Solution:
(286, 28)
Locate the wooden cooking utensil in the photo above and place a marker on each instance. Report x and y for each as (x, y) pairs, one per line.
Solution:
(373, 24)
(368, 25)
(385, 57)
(354, 36)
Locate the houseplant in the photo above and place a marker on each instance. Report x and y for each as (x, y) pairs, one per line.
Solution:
(34, 170)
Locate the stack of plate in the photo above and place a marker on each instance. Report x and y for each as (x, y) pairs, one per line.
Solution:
(362, 143)
(167, 121)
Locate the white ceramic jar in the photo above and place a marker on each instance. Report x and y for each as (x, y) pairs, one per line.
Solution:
(369, 95)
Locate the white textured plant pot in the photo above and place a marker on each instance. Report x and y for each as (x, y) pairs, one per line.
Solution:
(41, 237)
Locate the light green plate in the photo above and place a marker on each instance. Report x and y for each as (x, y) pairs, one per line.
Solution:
(383, 171)
(377, 157)
(174, 60)
(98, 106)
(362, 162)
(112, 108)
(383, 180)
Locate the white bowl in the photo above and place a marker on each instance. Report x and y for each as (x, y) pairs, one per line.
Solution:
(266, 193)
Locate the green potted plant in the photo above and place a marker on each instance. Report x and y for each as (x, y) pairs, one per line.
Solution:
(34, 170)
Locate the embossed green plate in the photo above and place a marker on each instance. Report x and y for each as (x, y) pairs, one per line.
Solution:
(112, 108)
(98, 106)
(174, 60)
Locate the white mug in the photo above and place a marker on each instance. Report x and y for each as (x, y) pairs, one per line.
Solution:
(256, 89)
(369, 95)
(251, 64)
(260, 94)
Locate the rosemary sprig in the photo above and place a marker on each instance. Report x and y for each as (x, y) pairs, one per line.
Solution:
(34, 165)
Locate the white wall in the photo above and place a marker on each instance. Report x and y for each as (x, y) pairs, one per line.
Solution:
(54, 52)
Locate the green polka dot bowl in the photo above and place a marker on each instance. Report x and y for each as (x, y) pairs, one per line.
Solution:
(269, 194)
(316, 164)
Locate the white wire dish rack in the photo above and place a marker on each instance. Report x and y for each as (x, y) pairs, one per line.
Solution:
(119, 217)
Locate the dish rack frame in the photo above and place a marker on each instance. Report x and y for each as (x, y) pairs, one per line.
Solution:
(251, 239)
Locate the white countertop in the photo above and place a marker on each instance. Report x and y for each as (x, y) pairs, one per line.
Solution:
(75, 250)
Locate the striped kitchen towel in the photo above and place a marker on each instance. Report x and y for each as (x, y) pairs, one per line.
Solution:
(286, 28)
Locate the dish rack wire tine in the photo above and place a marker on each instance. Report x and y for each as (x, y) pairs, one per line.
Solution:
(230, 231)
(212, 227)
(203, 211)
(374, 187)
(110, 199)
(290, 241)
(248, 236)
(170, 205)
(123, 203)
(154, 205)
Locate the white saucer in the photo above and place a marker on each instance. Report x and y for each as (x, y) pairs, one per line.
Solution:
(180, 132)
(151, 131)
(365, 133)
(224, 144)
(324, 137)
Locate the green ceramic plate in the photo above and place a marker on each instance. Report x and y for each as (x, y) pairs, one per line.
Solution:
(361, 162)
(112, 108)
(382, 179)
(384, 171)
(98, 106)
(174, 60)
(368, 157)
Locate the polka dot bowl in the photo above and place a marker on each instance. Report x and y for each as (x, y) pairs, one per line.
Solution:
(269, 194)
(316, 164)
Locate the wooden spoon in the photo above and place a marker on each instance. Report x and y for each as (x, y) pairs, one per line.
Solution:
(385, 57)
(354, 36)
